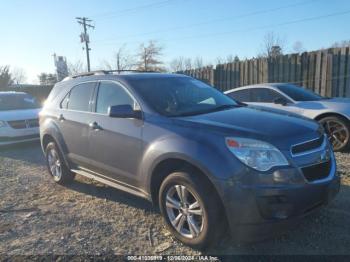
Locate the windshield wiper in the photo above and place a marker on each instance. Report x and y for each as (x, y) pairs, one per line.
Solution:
(218, 108)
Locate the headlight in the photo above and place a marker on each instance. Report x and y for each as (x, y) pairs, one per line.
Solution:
(2, 123)
(256, 154)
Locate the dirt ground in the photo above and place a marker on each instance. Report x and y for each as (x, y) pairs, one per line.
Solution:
(39, 217)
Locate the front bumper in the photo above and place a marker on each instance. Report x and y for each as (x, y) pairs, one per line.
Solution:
(12, 136)
(258, 211)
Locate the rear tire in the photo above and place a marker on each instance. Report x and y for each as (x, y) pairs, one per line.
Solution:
(56, 165)
(338, 131)
(195, 218)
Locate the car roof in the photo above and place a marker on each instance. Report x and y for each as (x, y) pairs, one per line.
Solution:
(122, 77)
(266, 85)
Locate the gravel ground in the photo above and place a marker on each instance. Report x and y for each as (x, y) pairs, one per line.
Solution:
(39, 217)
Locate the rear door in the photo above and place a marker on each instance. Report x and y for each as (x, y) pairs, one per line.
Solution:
(115, 145)
(74, 120)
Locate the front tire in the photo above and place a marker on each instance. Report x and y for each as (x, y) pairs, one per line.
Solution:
(190, 209)
(56, 165)
(338, 131)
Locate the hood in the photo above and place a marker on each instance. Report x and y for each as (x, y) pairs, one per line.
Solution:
(22, 114)
(279, 129)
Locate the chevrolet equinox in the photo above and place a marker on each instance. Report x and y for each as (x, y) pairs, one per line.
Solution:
(211, 164)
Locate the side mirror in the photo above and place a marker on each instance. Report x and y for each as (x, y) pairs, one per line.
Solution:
(123, 111)
(280, 101)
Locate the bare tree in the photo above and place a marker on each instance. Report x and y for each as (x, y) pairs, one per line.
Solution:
(344, 43)
(272, 45)
(18, 75)
(47, 79)
(198, 62)
(122, 60)
(219, 60)
(188, 64)
(178, 64)
(298, 47)
(5, 77)
(229, 59)
(149, 57)
(76, 67)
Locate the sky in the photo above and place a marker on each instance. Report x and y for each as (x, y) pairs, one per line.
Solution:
(33, 30)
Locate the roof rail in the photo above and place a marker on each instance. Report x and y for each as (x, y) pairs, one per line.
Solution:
(105, 72)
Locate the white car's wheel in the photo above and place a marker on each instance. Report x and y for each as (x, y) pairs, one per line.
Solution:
(338, 132)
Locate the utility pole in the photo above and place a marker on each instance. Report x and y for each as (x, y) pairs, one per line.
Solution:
(84, 37)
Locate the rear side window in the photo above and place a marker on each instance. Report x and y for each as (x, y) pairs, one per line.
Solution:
(111, 94)
(79, 98)
(264, 95)
(241, 95)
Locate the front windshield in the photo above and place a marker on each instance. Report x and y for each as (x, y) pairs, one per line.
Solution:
(181, 96)
(17, 102)
(298, 93)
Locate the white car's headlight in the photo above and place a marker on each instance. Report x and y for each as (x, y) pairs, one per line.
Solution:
(2, 123)
(256, 154)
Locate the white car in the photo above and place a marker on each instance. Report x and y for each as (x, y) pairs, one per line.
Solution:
(19, 113)
(332, 113)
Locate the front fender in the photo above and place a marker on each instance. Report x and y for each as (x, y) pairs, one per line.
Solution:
(214, 160)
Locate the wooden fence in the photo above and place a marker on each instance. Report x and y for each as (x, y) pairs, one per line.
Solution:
(326, 72)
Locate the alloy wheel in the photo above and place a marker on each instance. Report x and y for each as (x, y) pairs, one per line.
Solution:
(337, 132)
(54, 164)
(184, 211)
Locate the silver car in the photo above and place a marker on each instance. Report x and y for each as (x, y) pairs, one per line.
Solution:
(332, 113)
(19, 118)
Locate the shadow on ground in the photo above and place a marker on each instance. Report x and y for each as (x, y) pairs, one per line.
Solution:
(105, 192)
(29, 152)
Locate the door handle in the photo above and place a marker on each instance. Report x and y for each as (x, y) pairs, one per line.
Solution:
(61, 118)
(95, 126)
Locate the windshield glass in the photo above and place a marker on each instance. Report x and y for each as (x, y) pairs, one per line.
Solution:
(181, 96)
(298, 93)
(17, 101)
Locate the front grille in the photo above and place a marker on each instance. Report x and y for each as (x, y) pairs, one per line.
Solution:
(317, 172)
(21, 124)
(33, 123)
(307, 146)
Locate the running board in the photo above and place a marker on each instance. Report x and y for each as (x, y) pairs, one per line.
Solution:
(111, 183)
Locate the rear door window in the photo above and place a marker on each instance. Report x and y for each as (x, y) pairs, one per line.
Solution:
(264, 95)
(241, 95)
(80, 97)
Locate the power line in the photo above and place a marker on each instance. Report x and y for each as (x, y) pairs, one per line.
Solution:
(128, 10)
(259, 12)
(84, 37)
(254, 28)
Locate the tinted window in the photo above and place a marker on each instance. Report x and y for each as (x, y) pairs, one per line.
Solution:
(79, 97)
(179, 96)
(264, 95)
(298, 93)
(17, 101)
(241, 95)
(111, 94)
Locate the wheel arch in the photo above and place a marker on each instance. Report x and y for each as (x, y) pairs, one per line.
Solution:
(328, 114)
(172, 164)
